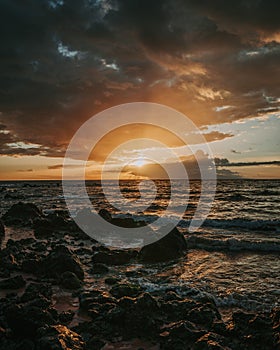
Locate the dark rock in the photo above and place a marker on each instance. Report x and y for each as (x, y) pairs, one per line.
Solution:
(241, 320)
(111, 280)
(105, 214)
(120, 290)
(15, 282)
(94, 299)
(177, 309)
(35, 290)
(66, 317)
(127, 222)
(2, 231)
(24, 320)
(179, 335)
(170, 247)
(25, 344)
(134, 317)
(30, 265)
(210, 341)
(44, 227)
(95, 343)
(60, 260)
(114, 257)
(204, 315)
(8, 260)
(70, 280)
(22, 214)
(99, 268)
(59, 337)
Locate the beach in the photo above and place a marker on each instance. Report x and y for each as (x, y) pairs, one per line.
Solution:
(61, 289)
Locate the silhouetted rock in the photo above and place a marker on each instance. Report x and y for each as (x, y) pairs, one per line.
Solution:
(60, 260)
(54, 222)
(2, 231)
(22, 214)
(69, 280)
(99, 268)
(59, 337)
(170, 247)
(36, 290)
(24, 320)
(130, 290)
(105, 214)
(15, 282)
(114, 257)
(179, 335)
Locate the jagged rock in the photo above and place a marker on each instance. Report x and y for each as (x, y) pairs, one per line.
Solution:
(205, 315)
(170, 247)
(179, 335)
(99, 268)
(36, 290)
(120, 290)
(60, 260)
(2, 231)
(15, 282)
(44, 227)
(24, 320)
(70, 280)
(210, 341)
(114, 257)
(22, 214)
(59, 337)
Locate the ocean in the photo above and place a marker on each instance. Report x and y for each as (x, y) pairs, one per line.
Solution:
(233, 256)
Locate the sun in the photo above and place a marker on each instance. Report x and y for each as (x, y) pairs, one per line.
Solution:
(139, 162)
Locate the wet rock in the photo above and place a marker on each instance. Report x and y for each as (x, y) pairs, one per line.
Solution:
(36, 290)
(2, 231)
(105, 214)
(66, 317)
(30, 265)
(177, 309)
(59, 337)
(120, 290)
(24, 320)
(60, 260)
(241, 320)
(99, 268)
(179, 335)
(255, 331)
(204, 315)
(114, 257)
(25, 344)
(8, 260)
(44, 227)
(170, 247)
(210, 341)
(22, 214)
(111, 280)
(15, 282)
(127, 222)
(94, 299)
(70, 280)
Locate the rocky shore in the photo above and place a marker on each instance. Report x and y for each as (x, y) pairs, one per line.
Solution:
(61, 290)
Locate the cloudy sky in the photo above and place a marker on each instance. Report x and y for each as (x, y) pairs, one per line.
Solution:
(62, 61)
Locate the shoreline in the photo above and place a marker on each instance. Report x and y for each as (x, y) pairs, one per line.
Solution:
(97, 305)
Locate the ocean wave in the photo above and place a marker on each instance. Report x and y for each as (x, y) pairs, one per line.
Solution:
(243, 223)
(232, 244)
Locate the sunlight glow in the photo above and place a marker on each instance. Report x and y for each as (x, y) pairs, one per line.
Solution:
(139, 162)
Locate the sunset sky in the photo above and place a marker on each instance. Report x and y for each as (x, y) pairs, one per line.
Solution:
(63, 61)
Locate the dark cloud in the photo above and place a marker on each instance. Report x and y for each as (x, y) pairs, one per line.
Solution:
(61, 62)
(224, 162)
